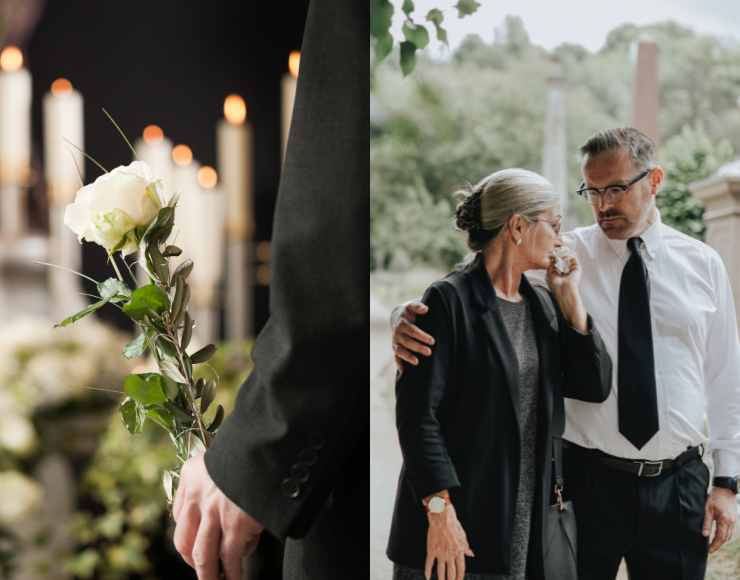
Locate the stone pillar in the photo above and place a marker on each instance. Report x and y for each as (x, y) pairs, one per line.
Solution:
(645, 108)
(555, 149)
(721, 195)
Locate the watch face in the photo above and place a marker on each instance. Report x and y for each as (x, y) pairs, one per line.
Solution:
(437, 505)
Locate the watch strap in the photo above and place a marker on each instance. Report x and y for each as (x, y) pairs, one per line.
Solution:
(730, 483)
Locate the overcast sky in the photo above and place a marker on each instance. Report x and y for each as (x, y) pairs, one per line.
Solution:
(585, 22)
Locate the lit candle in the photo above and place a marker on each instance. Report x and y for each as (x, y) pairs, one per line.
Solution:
(156, 150)
(64, 168)
(15, 140)
(290, 81)
(235, 158)
(187, 226)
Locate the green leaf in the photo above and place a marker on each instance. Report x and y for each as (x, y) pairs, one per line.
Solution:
(174, 199)
(136, 347)
(170, 370)
(171, 251)
(132, 415)
(204, 354)
(83, 313)
(208, 395)
(383, 46)
(167, 482)
(381, 12)
(417, 35)
(408, 58)
(160, 416)
(155, 297)
(199, 387)
(187, 332)
(170, 388)
(217, 419)
(184, 269)
(178, 412)
(466, 7)
(436, 17)
(179, 285)
(146, 389)
(408, 7)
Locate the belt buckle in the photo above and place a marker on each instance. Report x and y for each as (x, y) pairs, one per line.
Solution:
(644, 463)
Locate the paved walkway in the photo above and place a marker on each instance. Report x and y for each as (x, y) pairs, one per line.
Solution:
(385, 454)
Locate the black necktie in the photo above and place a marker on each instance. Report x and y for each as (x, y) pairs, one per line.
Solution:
(638, 403)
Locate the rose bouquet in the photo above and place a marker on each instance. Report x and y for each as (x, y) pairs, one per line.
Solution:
(125, 211)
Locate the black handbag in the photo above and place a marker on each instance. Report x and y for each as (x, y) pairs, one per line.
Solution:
(561, 541)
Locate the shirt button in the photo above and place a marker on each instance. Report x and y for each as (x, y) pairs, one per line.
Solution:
(300, 473)
(308, 457)
(316, 440)
(291, 488)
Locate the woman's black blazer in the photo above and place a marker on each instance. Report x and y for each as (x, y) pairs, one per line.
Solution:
(457, 414)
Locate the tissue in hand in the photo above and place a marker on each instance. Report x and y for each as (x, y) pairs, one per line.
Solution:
(561, 267)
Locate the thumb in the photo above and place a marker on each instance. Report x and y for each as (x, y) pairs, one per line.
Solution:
(418, 307)
(708, 519)
(469, 552)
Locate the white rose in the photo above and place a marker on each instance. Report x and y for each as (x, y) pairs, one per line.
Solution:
(109, 210)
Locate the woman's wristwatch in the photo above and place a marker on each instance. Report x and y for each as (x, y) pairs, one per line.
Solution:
(437, 504)
(730, 483)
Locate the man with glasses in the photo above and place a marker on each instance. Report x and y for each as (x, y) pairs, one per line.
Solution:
(663, 304)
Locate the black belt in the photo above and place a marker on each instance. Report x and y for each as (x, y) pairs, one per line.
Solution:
(636, 467)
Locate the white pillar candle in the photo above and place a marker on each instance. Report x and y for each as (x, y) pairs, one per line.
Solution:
(290, 81)
(187, 227)
(64, 168)
(15, 140)
(156, 150)
(235, 163)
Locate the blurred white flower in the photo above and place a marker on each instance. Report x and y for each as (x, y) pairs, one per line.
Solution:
(17, 434)
(108, 211)
(20, 497)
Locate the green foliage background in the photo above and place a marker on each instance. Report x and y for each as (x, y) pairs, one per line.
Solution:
(484, 110)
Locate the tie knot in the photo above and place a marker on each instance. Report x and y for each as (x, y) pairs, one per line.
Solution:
(634, 244)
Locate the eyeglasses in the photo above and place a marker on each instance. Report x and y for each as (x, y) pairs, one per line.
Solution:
(555, 226)
(614, 193)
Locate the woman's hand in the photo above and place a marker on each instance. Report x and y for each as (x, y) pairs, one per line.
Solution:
(565, 289)
(448, 544)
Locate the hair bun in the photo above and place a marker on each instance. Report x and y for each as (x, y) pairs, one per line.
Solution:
(467, 213)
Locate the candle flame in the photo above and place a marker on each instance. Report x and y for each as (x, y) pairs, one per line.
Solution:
(182, 155)
(207, 177)
(153, 135)
(11, 59)
(235, 110)
(294, 62)
(61, 88)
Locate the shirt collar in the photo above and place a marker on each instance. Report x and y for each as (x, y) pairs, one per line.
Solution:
(651, 239)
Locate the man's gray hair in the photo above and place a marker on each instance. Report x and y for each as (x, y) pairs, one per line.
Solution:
(641, 149)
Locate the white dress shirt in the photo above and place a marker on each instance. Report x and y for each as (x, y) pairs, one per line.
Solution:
(695, 341)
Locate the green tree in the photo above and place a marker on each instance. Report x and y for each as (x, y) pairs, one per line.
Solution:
(685, 158)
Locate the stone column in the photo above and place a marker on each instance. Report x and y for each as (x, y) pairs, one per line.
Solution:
(645, 107)
(555, 149)
(721, 195)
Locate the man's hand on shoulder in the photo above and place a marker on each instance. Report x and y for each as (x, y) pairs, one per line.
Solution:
(210, 526)
(407, 337)
(722, 507)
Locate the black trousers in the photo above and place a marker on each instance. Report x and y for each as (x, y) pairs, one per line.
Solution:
(654, 523)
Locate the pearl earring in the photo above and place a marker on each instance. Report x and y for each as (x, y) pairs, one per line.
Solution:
(519, 241)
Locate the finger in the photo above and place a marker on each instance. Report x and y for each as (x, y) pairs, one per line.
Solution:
(232, 550)
(179, 500)
(186, 531)
(451, 571)
(460, 566)
(404, 354)
(418, 307)
(720, 535)
(413, 331)
(440, 569)
(708, 519)
(428, 567)
(414, 345)
(399, 364)
(206, 548)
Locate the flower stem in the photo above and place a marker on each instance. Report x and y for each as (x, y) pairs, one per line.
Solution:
(115, 267)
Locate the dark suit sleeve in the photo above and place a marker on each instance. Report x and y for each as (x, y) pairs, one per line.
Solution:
(304, 410)
(587, 367)
(419, 392)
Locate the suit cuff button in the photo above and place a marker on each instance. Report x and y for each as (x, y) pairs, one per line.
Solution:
(308, 457)
(300, 473)
(290, 488)
(316, 440)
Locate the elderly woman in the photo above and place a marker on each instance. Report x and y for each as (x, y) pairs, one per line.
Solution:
(474, 418)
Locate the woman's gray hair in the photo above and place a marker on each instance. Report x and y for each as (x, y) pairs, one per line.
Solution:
(490, 204)
(639, 147)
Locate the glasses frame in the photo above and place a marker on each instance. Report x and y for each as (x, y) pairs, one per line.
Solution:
(558, 224)
(582, 190)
